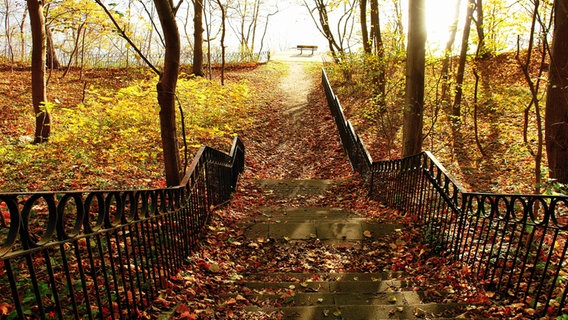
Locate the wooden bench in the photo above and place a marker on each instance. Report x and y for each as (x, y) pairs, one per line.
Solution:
(302, 47)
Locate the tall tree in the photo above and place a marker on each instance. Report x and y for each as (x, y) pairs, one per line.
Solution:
(556, 118)
(444, 95)
(8, 31)
(167, 83)
(52, 59)
(364, 31)
(377, 38)
(415, 66)
(198, 38)
(223, 33)
(167, 89)
(338, 43)
(39, 93)
(456, 108)
(482, 51)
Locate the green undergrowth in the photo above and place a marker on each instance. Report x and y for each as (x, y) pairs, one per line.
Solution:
(112, 139)
(488, 154)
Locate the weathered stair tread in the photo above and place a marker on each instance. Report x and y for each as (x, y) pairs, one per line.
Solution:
(322, 276)
(328, 286)
(351, 230)
(294, 188)
(360, 312)
(338, 299)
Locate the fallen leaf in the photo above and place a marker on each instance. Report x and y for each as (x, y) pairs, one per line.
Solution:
(367, 234)
(4, 309)
(214, 268)
(182, 308)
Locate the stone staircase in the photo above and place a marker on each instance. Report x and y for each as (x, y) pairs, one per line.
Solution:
(313, 276)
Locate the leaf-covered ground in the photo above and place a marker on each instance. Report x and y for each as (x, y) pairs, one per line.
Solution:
(105, 129)
(284, 146)
(282, 143)
(490, 154)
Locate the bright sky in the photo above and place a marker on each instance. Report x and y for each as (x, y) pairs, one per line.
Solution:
(293, 24)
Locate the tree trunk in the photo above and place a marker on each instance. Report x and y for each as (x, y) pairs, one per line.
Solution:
(37, 22)
(444, 95)
(364, 31)
(377, 40)
(8, 31)
(75, 49)
(556, 118)
(166, 88)
(415, 65)
(322, 23)
(482, 51)
(456, 109)
(23, 36)
(52, 60)
(198, 38)
(223, 32)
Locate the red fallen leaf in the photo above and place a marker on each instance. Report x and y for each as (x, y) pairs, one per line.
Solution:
(188, 316)
(5, 309)
(182, 308)
(241, 298)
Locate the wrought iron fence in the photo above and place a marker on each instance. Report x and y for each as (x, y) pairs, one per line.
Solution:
(123, 60)
(516, 245)
(106, 254)
(352, 144)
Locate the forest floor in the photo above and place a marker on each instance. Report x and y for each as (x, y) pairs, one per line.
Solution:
(292, 136)
(296, 138)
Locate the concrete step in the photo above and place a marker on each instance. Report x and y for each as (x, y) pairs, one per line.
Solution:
(357, 312)
(294, 188)
(271, 214)
(322, 276)
(356, 229)
(372, 287)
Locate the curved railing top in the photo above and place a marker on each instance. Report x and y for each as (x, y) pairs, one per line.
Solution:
(37, 218)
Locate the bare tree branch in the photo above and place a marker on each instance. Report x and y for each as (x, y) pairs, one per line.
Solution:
(125, 37)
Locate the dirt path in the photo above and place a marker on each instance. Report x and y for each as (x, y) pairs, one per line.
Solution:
(296, 137)
(296, 86)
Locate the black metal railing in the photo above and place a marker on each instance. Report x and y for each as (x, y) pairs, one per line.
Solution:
(106, 254)
(514, 244)
(124, 59)
(352, 144)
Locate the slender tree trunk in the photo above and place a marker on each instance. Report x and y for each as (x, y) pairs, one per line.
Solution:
(456, 109)
(198, 38)
(39, 93)
(75, 49)
(445, 95)
(556, 118)
(415, 66)
(23, 36)
(482, 51)
(364, 31)
(7, 28)
(166, 88)
(377, 37)
(223, 32)
(325, 29)
(399, 30)
(52, 60)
